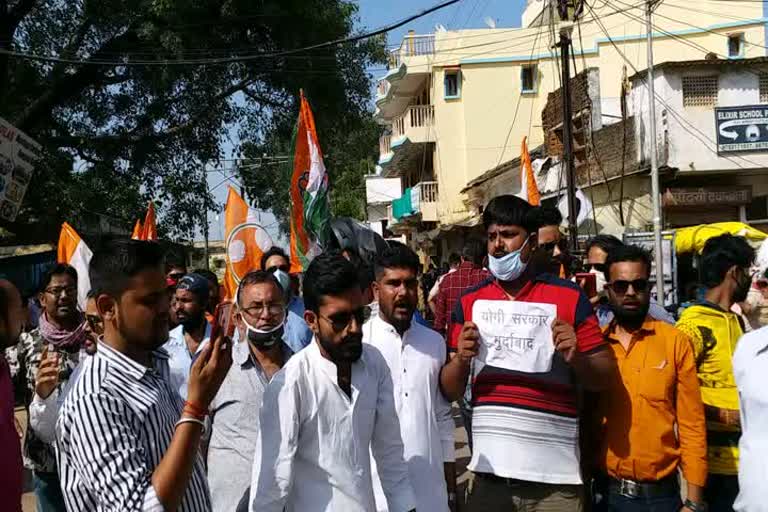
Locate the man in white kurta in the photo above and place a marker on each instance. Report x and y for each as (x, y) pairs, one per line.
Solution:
(327, 408)
(414, 354)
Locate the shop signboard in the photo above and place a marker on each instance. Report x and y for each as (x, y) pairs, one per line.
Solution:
(741, 129)
(18, 156)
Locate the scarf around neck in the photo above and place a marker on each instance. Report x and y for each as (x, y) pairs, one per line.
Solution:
(61, 339)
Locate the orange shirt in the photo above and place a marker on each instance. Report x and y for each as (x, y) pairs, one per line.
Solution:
(657, 388)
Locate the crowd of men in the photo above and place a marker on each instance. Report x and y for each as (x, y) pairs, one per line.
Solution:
(333, 395)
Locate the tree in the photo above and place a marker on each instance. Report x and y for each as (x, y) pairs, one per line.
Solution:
(120, 124)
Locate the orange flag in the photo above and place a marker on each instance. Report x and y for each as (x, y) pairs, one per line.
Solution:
(245, 240)
(73, 251)
(149, 229)
(528, 189)
(137, 228)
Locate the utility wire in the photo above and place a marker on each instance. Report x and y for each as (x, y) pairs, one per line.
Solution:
(244, 58)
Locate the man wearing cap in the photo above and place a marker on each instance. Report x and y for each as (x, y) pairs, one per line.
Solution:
(187, 340)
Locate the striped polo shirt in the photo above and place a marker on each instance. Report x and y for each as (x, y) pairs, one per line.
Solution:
(113, 430)
(525, 425)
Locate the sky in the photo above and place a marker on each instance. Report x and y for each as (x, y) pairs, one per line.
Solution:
(375, 14)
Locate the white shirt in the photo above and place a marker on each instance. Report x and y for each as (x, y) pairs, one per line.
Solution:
(180, 360)
(436, 287)
(425, 418)
(312, 453)
(750, 366)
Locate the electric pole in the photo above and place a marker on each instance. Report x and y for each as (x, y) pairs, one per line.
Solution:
(655, 193)
(568, 160)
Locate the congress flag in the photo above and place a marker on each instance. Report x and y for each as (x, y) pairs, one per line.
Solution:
(149, 229)
(528, 188)
(246, 241)
(73, 251)
(310, 211)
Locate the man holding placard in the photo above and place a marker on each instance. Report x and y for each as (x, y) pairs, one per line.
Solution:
(527, 338)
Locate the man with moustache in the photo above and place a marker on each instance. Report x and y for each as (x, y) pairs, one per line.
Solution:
(652, 416)
(414, 355)
(59, 338)
(327, 409)
(234, 413)
(524, 420)
(125, 440)
(11, 324)
(48, 398)
(714, 330)
(194, 332)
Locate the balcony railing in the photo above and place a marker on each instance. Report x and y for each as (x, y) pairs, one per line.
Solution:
(412, 46)
(416, 116)
(420, 199)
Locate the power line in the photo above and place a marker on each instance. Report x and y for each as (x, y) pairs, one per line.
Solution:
(243, 58)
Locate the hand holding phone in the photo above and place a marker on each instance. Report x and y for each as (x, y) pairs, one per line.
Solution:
(588, 282)
(223, 321)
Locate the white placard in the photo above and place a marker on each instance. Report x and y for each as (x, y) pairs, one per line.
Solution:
(18, 154)
(515, 335)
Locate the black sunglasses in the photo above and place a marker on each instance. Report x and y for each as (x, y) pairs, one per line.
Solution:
(341, 321)
(550, 246)
(621, 286)
(599, 267)
(284, 268)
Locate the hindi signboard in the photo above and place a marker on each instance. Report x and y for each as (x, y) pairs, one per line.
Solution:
(18, 154)
(515, 335)
(707, 197)
(742, 128)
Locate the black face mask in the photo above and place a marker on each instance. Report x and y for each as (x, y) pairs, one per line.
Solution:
(264, 340)
(742, 288)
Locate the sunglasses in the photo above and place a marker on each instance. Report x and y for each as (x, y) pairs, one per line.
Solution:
(550, 246)
(284, 268)
(176, 276)
(621, 286)
(341, 321)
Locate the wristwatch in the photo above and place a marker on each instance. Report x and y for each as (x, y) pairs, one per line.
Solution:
(695, 507)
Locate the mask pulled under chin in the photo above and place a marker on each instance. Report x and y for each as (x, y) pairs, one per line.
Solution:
(509, 267)
(264, 338)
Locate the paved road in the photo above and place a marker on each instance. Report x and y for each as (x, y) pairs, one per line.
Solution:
(462, 459)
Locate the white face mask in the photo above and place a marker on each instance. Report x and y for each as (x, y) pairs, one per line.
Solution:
(508, 267)
(599, 280)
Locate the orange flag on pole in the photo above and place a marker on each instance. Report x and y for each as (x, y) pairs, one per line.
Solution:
(245, 241)
(137, 228)
(73, 251)
(149, 229)
(528, 189)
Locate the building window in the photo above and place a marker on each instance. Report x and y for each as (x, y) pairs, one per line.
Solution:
(758, 208)
(736, 45)
(699, 91)
(763, 87)
(528, 78)
(452, 84)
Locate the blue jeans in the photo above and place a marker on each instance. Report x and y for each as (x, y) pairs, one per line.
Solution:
(618, 503)
(48, 492)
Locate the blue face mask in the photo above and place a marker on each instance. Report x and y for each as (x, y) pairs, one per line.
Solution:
(509, 267)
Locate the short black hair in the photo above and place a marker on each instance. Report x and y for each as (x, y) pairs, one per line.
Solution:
(547, 216)
(454, 259)
(330, 273)
(175, 259)
(509, 210)
(58, 269)
(396, 256)
(720, 254)
(273, 251)
(210, 276)
(633, 253)
(607, 243)
(258, 277)
(118, 260)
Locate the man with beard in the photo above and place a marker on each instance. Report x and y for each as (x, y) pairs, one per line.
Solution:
(187, 340)
(327, 409)
(48, 398)
(525, 419)
(642, 446)
(714, 330)
(11, 324)
(60, 335)
(414, 355)
(261, 315)
(125, 440)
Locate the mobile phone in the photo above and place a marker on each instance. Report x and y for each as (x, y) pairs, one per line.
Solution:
(588, 282)
(223, 321)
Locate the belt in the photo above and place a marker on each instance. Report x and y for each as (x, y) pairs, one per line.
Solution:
(510, 482)
(631, 489)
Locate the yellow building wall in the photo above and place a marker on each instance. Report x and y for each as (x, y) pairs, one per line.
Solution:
(476, 132)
